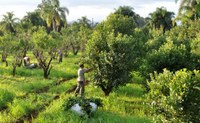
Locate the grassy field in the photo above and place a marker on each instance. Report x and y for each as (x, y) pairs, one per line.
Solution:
(28, 97)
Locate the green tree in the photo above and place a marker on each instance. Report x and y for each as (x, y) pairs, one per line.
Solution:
(85, 22)
(85, 31)
(187, 35)
(25, 41)
(71, 38)
(128, 11)
(8, 22)
(6, 42)
(45, 49)
(119, 24)
(176, 49)
(110, 57)
(33, 18)
(76, 36)
(10, 45)
(125, 10)
(53, 14)
(17, 54)
(169, 55)
(161, 19)
(189, 10)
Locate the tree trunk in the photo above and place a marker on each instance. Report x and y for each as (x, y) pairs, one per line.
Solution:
(46, 73)
(3, 57)
(76, 52)
(6, 63)
(14, 70)
(60, 58)
(75, 49)
(106, 90)
(54, 25)
(43, 63)
(20, 63)
(106, 93)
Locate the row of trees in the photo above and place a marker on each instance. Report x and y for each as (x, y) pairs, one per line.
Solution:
(45, 30)
(53, 16)
(120, 45)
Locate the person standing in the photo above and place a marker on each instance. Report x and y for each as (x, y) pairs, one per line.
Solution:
(81, 80)
(26, 60)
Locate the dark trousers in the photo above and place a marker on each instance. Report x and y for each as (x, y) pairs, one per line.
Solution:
(80, 88)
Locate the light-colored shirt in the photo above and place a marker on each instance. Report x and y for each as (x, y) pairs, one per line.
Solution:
(81, 76)
(26, 58)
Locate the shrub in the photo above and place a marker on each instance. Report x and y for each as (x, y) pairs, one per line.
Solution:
(195, 52)
(175, 97)
(84, 104)
(168, 56)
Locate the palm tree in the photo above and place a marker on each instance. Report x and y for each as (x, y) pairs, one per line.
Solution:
(128, 11)
(85, 22)
(125, 10)
(33, 18)
(8, 22)
(53, 14)
(189, 9)
(161, 18)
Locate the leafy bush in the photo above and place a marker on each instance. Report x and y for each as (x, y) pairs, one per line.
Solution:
(156, 42)
(176, 49)
(84, 104)
(175, 97)
(195, 52)
(168, 56)
(5, 97)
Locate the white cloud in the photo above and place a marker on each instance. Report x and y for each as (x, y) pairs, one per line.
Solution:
(145, 9)
(18, 10)
(19, 7)
(95, 13)
(97, 10)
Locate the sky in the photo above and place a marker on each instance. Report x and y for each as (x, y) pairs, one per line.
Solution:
(96, 10)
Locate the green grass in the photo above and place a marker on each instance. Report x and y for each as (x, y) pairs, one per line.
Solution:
(5, 97)
(117, 108)
(30, 92)
(63, 87)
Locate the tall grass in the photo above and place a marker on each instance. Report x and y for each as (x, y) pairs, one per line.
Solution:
(5, 98)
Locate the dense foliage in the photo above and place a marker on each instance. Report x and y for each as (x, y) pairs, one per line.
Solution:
(174, 97)
(121, 50)
(175, 49)
(161, 19)
(111, 59)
